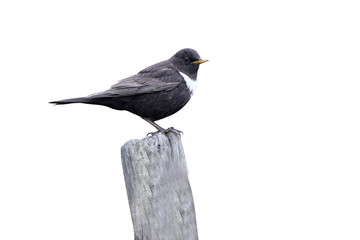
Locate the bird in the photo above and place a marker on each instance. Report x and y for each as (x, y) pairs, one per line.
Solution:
(155, 92)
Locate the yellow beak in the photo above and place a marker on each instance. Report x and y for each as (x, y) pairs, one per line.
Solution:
(199, 61)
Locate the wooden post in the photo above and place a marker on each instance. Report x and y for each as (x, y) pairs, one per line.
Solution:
(158, 189)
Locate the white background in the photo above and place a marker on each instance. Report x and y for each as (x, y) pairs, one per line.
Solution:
(272, 133)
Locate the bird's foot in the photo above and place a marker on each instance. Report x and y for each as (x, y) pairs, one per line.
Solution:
(153, 133)
(164, 131)
(173, 130)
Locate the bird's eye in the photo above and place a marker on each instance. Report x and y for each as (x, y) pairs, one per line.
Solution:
(187, 59)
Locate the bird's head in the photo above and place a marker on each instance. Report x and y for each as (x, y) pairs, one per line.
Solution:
(187, 61)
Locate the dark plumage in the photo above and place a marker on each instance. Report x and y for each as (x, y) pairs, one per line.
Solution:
(154, 93)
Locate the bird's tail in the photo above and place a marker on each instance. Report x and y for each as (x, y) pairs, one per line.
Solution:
(71, 100)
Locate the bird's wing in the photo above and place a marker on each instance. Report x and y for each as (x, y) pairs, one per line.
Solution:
(147, 81)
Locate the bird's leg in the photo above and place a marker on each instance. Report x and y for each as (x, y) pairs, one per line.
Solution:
(160, 129)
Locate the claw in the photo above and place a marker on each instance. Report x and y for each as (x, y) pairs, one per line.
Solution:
(153, 133)
(164, 131)
(173, 130)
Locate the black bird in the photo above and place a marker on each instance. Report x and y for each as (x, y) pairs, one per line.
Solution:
(154, 93)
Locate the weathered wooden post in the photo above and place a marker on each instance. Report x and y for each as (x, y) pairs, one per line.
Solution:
(158, 189)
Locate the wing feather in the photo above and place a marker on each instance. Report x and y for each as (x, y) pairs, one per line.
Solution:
(150, 80)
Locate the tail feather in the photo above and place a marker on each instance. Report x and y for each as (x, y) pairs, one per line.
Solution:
(71, 100)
